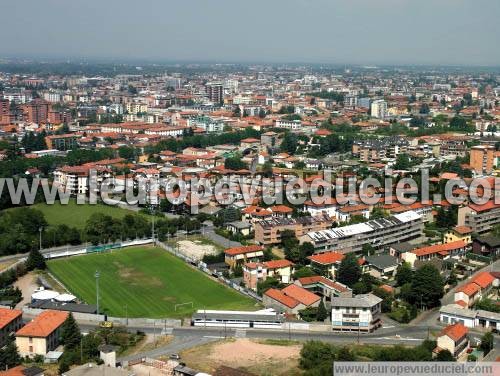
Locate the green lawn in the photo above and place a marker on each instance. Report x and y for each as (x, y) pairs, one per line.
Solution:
(150, 281)
(75, 215)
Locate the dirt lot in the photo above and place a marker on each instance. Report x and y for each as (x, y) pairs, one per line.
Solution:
(196, 248)
(260, 358)
(27, 284)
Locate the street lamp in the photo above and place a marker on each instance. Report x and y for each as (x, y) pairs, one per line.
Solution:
(97, 275)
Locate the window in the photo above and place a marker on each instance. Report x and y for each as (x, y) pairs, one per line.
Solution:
(31, 349)
(31, 340)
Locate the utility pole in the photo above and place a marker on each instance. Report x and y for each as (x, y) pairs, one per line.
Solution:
(97, 275)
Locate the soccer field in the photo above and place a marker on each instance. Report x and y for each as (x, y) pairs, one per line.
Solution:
(148, 281)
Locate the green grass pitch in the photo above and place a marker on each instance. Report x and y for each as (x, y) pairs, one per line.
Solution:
(148, 280)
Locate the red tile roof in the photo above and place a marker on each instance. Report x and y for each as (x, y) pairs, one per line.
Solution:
(484, 207)
(463, 230)
(439, 248)
(304, 281)
(469, 289)
(275, 264)
(44, 324)
(455, 331)
(282, 298)
(281, 209)
(327, 258)
(243, 249)
(483, 279)
(301, 294)
(8, 315)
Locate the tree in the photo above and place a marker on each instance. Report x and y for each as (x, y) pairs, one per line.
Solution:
(70, 333)
(263, 286)
(404, 274)
(487, 343)
(235, 163)
(402, 162)
(387, 299)
(303, 272)
(427, 286)
(445, 356)
(322, 313)
(289, 144)
(35, 261)
(349, 270)
(9, 356)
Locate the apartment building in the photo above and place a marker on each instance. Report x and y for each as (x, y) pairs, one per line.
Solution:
(215, 92)
(357, 313)
(255, 272)
(41, 334)
(62, 142)
(75, 179)
(242, 255)
(484, 159)
(293, 125)
(268, 231)
(480, 218)
(372, 151)
(37, 111)
(379, 233)
(136, 108)
(379, 109)
(11, 320)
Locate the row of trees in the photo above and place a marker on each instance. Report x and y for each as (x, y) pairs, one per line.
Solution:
(316, 358)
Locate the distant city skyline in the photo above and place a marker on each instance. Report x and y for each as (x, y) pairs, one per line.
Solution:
(383, 32)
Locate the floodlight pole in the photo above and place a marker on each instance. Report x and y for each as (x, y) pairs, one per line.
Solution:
(97, 275)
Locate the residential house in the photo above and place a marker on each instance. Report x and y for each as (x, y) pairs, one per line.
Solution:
(382, 266)
(459, 233)
(291, 300)
(454, 339)
(486, 246)
(324, 287)
(327, 263)
(255, 272)
(11, 320)
(241, 255)
(41, 334)
(445, 251)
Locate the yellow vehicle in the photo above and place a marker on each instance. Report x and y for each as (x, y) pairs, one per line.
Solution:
(106, 324)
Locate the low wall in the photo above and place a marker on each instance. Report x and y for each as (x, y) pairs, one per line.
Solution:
(95, 319)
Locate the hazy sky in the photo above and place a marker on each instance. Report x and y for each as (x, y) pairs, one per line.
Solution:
(333, 31)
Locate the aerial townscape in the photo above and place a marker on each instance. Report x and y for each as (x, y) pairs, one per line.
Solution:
(200, 216)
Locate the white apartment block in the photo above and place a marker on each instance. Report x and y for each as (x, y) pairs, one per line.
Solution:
(357, 313)
(379, 109)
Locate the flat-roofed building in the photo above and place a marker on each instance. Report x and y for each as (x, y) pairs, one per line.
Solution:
(378, 233)
(268, 231)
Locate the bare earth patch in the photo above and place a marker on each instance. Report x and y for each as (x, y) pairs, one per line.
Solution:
(28, 285)
(196, 249)
(259, 358)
